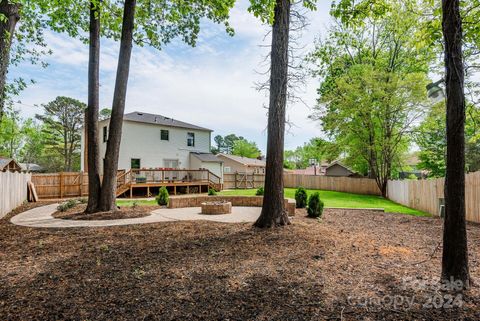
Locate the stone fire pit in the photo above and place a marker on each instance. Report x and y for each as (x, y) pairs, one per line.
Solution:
(216, 208)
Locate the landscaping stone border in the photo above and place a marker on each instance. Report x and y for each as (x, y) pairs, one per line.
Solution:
(236, 200)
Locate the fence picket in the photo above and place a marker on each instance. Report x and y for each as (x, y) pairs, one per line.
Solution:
(425, 195)
(13, 190)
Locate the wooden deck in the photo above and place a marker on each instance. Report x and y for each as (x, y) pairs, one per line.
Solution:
(137, 182)
(175, 180)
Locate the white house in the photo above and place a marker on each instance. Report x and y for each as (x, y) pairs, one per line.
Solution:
(155, 141)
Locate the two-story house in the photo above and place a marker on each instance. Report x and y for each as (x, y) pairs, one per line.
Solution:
(155, 141)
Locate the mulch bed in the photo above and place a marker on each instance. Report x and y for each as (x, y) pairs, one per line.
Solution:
(310, 270)
(77, 213)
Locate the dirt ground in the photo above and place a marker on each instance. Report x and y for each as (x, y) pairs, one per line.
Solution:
(77, 213)
(353, 265)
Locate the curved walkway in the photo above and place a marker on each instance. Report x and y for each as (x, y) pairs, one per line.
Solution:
(42, 217)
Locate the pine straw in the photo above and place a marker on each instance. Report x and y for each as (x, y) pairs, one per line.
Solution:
(215, 271)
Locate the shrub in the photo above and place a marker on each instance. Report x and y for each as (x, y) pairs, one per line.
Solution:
(162, 197)
(260, 192)
(211, 191)
(315, 206)
(82, 200)
(67, 205)
(301, 197)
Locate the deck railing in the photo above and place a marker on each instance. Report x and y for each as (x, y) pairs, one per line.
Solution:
(172, 175)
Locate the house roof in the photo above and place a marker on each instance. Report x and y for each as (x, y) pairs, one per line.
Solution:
(5, 162)
(311, 170)
(340, 164)
(253, 162)
(31, 167)
(207, 157)
(147, 118)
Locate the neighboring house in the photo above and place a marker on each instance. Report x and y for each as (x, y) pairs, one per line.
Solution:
(9, 165)
(339, 170)
(410, 168)
(240, 164)
(311, 170)
(31, 167)
(156, 141)
(325, 169)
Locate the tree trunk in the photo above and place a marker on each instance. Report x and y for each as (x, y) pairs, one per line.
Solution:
(7, 30)
(273, 209)
(109, 185)
(65, 150)
(455, 253)
(91, 116)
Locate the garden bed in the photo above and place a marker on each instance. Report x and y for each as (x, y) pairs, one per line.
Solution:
(77, 213)
(310, 270)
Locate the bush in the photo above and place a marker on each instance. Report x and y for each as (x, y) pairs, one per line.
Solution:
(301, 197)
(260, 192)
(162, 197)
(315, 206)
(67, 205)
(82, 200)
(212, 192)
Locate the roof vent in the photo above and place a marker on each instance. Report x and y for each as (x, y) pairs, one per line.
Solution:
(139, 114)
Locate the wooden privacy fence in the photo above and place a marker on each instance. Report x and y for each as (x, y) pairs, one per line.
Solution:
(60, 185)
(331, 183)
(425, 195)
(13, 190)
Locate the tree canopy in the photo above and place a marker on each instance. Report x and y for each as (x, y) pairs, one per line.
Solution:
(372, 89)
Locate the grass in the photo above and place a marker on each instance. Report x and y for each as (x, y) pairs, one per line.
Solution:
(341, 199)
(121, 202)
(330, 198)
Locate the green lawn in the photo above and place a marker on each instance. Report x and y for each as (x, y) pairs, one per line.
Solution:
(123, 202)
(330, 198)
(347, 200)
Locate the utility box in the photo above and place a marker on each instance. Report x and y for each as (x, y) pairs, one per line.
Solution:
(441, 207)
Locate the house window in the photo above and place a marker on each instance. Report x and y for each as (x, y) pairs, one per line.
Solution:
(164, 134)
(227, 169)
(191, 139)
(105, 134)
(135, 163)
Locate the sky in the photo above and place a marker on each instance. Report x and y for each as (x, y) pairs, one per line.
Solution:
(211, 85)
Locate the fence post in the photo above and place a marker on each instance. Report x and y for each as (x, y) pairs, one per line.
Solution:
(235, 180)
(61, 185)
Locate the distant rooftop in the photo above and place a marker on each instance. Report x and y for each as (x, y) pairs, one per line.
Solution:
(245, 160)
(147, 118)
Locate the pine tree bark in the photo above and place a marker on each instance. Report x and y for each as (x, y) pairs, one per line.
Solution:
(109, 184)
(455, 253)
(7, 30)
(91, 116)
(273, 209)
